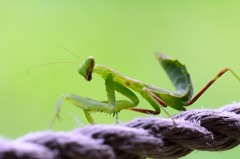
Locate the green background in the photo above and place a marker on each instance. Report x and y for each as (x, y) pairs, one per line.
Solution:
(123, 35)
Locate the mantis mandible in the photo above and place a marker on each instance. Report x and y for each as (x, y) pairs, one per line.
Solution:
(157, 97)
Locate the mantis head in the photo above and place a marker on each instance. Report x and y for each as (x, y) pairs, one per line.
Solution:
(86, 68)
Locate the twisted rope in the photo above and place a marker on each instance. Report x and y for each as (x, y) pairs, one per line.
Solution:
(207, 130)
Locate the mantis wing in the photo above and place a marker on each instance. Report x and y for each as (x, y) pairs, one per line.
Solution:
(181, 80)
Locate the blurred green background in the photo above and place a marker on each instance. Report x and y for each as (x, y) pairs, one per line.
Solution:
(123, 35)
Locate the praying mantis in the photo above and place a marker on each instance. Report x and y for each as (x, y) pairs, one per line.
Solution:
(117, 82)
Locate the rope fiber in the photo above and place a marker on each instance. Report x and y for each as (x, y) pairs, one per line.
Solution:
(153, 137)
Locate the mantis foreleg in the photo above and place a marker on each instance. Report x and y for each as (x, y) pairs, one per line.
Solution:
(109, 106)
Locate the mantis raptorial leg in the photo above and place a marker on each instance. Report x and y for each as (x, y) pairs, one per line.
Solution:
(109, 106)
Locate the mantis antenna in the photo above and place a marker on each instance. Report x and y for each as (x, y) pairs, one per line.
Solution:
(57, 62)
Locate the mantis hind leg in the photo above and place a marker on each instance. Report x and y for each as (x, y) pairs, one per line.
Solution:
(223, 71)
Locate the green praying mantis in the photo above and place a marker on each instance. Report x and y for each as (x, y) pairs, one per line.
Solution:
(157, 97)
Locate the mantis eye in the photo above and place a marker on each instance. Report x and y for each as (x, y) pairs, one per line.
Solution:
(86, 68)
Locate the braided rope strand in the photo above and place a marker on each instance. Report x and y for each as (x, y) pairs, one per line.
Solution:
(154, 137)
